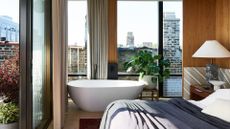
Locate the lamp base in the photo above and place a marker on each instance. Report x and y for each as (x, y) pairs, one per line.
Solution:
(211, 72)
(217, 84)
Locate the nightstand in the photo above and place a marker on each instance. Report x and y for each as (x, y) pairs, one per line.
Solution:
(198, 92)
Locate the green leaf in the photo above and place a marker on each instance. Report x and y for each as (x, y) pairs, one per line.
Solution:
(9, 112)
(145, 63)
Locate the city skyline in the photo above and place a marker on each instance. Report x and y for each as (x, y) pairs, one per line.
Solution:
(81, 7)
(142, 21)
(76, 21)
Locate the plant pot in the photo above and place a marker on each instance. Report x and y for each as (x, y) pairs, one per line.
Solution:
(150, 81)
(9, 126)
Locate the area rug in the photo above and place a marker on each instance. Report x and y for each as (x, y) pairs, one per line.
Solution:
(89, 123)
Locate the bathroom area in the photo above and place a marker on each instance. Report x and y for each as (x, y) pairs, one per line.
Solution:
(91, 66)
(99, 44)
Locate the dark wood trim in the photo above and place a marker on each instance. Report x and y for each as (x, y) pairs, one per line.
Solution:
(160, 42)
(48, 56)
(25, 93)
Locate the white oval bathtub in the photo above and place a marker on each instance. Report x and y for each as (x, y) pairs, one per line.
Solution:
(95, 95)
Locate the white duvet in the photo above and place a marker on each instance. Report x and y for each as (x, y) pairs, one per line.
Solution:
(218, 94)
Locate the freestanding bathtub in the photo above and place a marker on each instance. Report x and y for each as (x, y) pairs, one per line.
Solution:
(95, 95)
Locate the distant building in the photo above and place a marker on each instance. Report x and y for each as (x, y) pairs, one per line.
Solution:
(147, 44)
(9, 29)
(130, 40)
(8, 50)
(172, 50)
(77, 59)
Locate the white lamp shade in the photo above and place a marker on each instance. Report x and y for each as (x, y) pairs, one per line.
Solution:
(211, 49)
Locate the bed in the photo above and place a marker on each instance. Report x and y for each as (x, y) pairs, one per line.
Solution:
(172, 114)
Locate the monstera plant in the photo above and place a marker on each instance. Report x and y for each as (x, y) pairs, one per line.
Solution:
(151, 68)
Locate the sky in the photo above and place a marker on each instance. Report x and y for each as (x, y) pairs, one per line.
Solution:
(141, 18)
(135, 16)
(10, 8)
(76, 22)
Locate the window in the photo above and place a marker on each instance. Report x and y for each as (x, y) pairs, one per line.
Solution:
(77, 37)
(172, 46)
(154, 26)
(137, 29)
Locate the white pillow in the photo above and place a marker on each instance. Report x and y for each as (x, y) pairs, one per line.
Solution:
(220, 108)
(218, 94)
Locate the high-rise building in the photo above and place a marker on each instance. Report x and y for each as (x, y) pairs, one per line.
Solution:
(172, 50)
(9, 30)
(130, 40)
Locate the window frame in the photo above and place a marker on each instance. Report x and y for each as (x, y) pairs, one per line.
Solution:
(160, 46)
(114, 35)
(25, 53)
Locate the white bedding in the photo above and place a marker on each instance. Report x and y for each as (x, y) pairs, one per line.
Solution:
(218, 94)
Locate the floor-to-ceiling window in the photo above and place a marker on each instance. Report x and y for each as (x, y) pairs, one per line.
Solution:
(137, 29)
(172, 46)
(35, 64)
(77, 38)
(154, 26)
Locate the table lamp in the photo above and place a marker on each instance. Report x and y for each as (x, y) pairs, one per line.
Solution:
(211, 49)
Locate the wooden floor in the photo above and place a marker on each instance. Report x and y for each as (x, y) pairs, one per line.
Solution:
(74, 114)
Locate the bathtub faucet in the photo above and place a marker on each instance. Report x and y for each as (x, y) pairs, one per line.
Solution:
(95, 71)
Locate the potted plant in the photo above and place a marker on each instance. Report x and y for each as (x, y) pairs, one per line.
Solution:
(149, 68)
(9, 115)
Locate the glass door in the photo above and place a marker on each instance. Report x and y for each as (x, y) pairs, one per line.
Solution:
(40, 64)
(35, 64)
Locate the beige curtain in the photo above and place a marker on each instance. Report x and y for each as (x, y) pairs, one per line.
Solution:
(59, 30)
(98, 39)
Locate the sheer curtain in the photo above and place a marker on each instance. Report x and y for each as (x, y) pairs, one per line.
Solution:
(98, 39)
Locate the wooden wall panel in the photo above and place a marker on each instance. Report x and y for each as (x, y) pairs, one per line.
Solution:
(198, 26)
(112, 31)
(222, 28)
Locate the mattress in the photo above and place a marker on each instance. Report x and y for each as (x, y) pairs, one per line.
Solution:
(172, 114)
